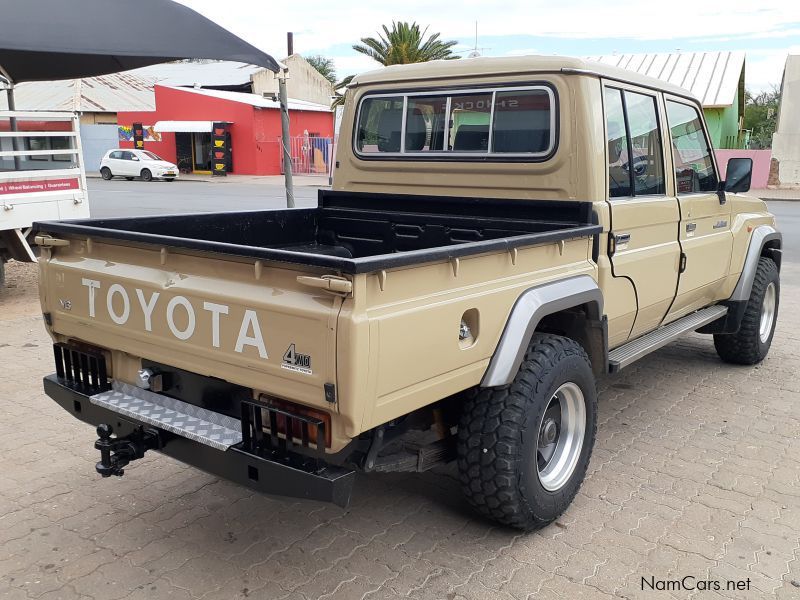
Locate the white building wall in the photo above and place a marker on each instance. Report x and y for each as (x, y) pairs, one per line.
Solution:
(786, 139)
(303, 83)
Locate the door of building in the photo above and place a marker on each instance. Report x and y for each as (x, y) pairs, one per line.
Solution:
(201, 152)
(183, 152)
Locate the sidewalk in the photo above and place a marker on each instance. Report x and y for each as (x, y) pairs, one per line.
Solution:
(299, 180)
(776, 194)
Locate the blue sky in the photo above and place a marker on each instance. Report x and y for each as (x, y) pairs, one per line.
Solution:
(766, 30)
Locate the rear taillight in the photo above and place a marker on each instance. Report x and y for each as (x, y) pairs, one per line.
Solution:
(81, 367)
(274, 424)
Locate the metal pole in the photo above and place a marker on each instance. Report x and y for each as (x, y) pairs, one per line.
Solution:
(287, 155)
(12, 124)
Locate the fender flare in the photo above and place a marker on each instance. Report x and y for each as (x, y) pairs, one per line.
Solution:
(530, 308)
(762, 234)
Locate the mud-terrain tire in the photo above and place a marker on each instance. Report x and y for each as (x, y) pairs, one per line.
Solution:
(106, 173)
(751, 343)
(147, 175)
(501, 462)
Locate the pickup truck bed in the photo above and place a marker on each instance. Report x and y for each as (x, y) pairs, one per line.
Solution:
(355, 233)
(227, 309)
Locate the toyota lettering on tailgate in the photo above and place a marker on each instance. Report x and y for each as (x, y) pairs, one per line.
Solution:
(250, 333)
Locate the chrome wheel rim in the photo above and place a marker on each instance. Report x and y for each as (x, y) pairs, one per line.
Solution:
(767, 313)
(560, 438)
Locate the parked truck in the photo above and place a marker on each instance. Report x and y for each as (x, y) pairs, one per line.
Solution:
(500, 233)
(41, 177)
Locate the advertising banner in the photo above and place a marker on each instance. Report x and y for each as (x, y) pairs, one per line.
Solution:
(138, 136)
(220, 150)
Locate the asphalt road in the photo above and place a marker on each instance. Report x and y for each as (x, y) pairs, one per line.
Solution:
(787, 214)
(120, 198)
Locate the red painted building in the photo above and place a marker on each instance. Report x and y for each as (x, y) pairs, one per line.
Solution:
(179, 130)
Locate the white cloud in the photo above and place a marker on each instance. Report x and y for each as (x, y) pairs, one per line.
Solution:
(764, 68)
(324, 24)
(332, 27)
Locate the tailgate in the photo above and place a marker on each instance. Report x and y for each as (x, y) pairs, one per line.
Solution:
(245, 322)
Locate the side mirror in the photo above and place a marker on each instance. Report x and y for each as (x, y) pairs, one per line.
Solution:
(738, 175)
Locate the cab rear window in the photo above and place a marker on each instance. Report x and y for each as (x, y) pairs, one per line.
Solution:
(501, 122)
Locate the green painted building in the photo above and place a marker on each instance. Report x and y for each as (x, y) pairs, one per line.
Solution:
(716, 78)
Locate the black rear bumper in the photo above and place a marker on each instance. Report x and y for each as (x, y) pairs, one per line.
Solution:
(325, 483)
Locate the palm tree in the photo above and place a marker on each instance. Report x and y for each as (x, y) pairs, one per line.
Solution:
(339, 100)
(404, 44)
(324, 66)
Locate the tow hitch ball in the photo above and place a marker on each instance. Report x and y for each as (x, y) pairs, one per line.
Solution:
(118, 452)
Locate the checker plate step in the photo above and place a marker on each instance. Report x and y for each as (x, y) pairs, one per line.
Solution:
(192, 422)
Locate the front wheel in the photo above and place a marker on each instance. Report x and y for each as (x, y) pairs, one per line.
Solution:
(105, 173)
(147, 175)
(751, 343)
(523, 449)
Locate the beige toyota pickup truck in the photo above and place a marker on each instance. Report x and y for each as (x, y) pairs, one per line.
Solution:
(500, 233)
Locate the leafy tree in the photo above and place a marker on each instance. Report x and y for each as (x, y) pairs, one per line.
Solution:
(761, 116)
(405, 43)
(324, 66)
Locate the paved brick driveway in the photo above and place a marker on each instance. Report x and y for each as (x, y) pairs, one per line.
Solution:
(696, 472)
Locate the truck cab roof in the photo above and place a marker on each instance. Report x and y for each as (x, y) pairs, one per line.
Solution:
(438, 71)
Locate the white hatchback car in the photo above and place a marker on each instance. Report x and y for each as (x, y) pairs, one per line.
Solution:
(136, 163)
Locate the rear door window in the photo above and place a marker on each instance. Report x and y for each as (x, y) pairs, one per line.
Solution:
(648, 159)
(635, 151)
(619, 180)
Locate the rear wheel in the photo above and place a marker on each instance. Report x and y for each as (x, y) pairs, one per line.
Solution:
(751, 343)
(523, 449)
(105, 173)
(147, 175)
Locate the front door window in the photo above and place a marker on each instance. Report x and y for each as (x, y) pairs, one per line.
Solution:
(694, 167)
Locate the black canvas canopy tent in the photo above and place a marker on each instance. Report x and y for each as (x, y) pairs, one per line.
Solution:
(44, 40)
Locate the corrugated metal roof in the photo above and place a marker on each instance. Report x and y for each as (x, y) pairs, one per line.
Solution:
(106, 94)
(711, 76)
(218, 73)
(254, 99)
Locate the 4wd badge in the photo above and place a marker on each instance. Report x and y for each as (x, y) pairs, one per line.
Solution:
(294, 361)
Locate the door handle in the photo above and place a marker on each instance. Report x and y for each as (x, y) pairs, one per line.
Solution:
(618, 241)
(691, 227)
(622, 238)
